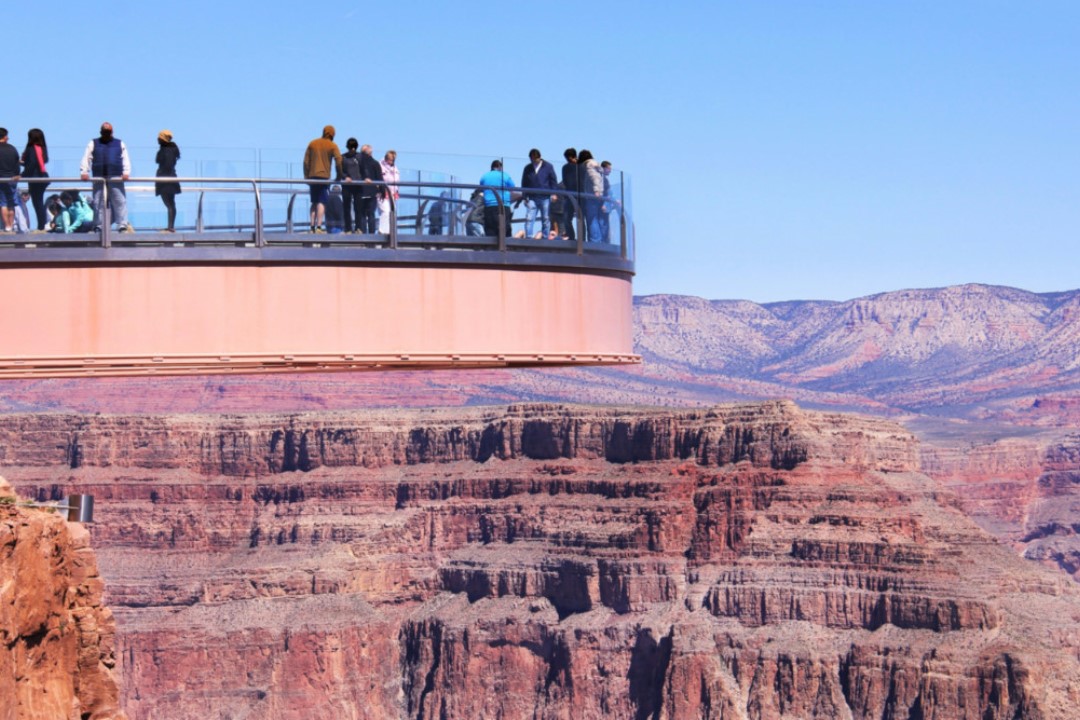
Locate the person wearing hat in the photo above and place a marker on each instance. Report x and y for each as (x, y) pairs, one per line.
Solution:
(167, 155)
(321, 157)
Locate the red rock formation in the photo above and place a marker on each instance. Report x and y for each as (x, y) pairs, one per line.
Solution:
(1025, 490)
(56, 637)
(544, 561)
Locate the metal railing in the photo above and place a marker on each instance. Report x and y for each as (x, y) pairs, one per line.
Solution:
(260, 234)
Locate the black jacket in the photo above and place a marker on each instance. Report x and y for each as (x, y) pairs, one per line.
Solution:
(9, 160)
(350, 165)
(31, 167)
(570, 176)
(167, 157)
(370, 169)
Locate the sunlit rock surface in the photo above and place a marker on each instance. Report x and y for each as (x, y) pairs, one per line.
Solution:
(546, 561)
(56, 638)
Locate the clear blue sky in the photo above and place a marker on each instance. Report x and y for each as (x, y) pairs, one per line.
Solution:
(779, 150)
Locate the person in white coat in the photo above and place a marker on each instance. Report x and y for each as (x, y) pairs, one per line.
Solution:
(391, 176)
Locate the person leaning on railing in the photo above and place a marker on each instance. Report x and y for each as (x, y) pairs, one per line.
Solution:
(371, 175)
(496, 178)
(107, 157)
(322, 153)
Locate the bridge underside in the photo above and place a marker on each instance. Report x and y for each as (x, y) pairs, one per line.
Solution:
(67, 320)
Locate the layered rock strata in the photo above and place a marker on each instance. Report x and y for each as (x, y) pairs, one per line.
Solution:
(1024, 490)
(541, 561)
(56, 638)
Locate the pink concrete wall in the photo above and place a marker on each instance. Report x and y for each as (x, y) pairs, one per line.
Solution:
(163, 311)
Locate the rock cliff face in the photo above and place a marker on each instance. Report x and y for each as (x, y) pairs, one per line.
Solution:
(56, 637)
(544, 561)
(1024, 490)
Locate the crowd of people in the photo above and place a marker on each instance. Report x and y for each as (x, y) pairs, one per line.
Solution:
(106, 156)
(548, 199)
(366, 184)
(361, 203)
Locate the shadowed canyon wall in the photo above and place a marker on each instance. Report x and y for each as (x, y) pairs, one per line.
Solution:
(546, 561)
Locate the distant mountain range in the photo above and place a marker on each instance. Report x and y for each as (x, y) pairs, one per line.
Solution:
(971, 351)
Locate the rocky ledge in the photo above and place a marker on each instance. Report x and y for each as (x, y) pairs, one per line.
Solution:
(547, 561)
(56, 637)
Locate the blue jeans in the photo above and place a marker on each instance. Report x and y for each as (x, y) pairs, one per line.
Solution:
(591, 208)
(117, 203)
(538, 204)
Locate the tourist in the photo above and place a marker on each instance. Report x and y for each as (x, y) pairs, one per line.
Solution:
(473, 214)
(437, 214)
(371, 173)
(22, 214)
(558, 211)
(538, 175)
(350, 170)
(609, 203)
(570, 184)
(76, 217)
(9, 171)
(388, 199)
(167, 156)
(107, 157)
(494, 213)
(335, 211)
(592, 191)
(321, 156)
(34, 158)
(54, 207)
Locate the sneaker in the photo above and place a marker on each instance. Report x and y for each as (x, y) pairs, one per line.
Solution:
(124, 228)
(319, 231)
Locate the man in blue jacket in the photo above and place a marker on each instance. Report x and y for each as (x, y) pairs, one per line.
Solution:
(107, 157)
(496, 178)
(539, 176)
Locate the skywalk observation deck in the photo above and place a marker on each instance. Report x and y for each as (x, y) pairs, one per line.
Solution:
(244, 287)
